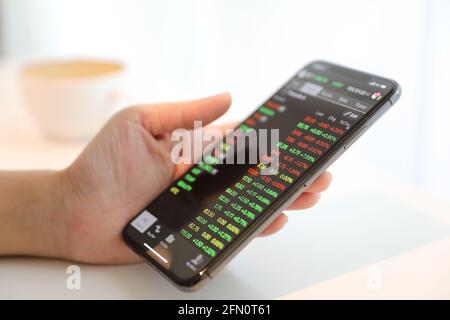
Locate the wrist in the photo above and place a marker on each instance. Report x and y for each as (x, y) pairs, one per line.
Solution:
(48, 228)
(33, 214)
(57, 213)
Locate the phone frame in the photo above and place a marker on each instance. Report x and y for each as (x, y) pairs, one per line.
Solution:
(283, 202)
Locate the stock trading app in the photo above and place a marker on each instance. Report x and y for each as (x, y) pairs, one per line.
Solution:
(200, 214)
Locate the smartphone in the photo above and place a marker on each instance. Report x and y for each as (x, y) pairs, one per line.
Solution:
(201, 221)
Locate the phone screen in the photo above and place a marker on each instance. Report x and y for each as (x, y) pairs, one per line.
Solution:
(199, 217)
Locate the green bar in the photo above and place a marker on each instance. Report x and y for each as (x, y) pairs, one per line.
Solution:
(245, 128)
(189, 178)
(303, 125)
(337, 84)
(266, 111)
(321, 79)
(211, 160)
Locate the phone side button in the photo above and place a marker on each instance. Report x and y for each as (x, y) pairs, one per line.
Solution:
(396, 96)
(355, 136)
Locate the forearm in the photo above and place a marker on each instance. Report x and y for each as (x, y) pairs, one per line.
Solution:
(30, 213)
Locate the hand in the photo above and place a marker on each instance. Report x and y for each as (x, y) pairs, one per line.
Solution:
(126, 166)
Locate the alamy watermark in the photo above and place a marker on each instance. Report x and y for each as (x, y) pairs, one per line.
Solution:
(230, 146)
(73, 281)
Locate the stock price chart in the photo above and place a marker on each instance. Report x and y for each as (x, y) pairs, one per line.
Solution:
(215, 201)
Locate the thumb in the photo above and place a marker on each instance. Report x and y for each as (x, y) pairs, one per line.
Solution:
(166, 117)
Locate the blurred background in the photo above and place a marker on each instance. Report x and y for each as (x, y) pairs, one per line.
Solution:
(391, 192)
(190, 48)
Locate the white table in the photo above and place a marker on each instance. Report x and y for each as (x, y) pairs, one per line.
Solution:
(366, 231)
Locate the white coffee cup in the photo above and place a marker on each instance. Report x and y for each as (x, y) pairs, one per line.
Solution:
(72, 99)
